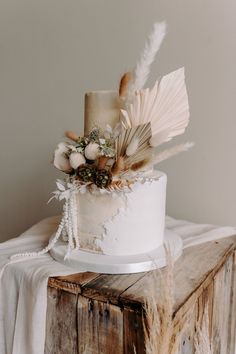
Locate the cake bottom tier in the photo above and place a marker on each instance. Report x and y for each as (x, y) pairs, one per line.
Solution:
(124, 223)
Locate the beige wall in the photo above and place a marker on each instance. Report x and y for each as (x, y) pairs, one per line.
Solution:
(52, 51)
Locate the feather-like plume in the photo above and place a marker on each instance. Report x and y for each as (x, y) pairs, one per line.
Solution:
(148, 55)
(165, 106)
(166, 154)
(124, 81)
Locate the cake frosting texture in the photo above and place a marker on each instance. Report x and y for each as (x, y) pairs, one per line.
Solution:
(123, 223)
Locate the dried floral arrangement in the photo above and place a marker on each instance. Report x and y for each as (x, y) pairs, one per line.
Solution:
(113, 159)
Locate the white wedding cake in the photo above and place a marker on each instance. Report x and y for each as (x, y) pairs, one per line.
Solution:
(114, 198)
(125, 222)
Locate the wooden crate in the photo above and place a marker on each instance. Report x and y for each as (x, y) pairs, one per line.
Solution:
(102, 314)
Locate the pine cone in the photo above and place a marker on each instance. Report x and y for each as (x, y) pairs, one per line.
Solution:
(86, 173)
(103, 178)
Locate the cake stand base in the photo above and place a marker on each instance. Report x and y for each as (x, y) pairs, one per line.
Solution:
(99, 263)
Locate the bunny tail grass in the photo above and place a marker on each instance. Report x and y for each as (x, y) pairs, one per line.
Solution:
(72, 136)
(124, 81)
(166, 154)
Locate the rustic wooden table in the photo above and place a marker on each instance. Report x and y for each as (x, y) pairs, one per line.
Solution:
(97, 313)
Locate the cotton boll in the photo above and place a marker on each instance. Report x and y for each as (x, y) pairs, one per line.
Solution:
(91, 151)
(76, 159)
(60, 161)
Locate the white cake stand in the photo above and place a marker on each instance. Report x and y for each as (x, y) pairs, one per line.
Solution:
(99, 263)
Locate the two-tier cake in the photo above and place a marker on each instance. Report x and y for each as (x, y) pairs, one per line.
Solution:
(114, 199)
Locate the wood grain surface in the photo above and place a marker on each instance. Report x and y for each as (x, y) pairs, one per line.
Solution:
(93, 313)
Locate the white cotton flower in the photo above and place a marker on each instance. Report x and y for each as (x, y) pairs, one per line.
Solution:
(60, 161)
(76, 159)
(91, 151)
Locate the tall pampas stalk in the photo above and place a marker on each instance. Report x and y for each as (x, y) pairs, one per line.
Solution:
(166, 154)
(160, 336)
(202, 341)
(142, 69)
(159, 324)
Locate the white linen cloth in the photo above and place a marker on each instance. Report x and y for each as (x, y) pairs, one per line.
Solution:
(23, 282)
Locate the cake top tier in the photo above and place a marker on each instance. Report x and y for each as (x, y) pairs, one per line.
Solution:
(101, 108)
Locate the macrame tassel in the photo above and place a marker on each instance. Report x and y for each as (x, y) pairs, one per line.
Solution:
(47, 248)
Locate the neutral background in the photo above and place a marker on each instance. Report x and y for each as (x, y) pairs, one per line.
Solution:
(52, 51)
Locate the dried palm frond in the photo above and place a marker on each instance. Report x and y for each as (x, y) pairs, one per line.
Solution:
(165, 106)
(142, 69)
(142, 134)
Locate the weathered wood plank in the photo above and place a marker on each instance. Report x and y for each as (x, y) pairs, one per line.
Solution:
(72, 283)
(222, 308)
(109, 307)
(232, 317)
(100, 327)
(134, 341)
(192, 272)
(61, 327)
(109, 287)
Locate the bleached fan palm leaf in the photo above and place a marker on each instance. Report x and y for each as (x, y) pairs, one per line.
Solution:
(165, 106)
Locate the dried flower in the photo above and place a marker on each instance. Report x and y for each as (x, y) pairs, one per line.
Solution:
(103, 178)
(61, 161)
(106, 149)
(118, 166)
(81, 144)
(76, 159)
(71, 135)
(91, 151)
(86, 173)
(94, 134)
(102, 161)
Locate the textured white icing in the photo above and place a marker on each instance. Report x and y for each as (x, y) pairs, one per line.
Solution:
(123, 223)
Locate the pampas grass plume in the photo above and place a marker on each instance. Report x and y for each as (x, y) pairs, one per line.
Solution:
(142, 69)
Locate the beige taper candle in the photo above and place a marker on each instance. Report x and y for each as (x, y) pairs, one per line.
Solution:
(101, 108)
